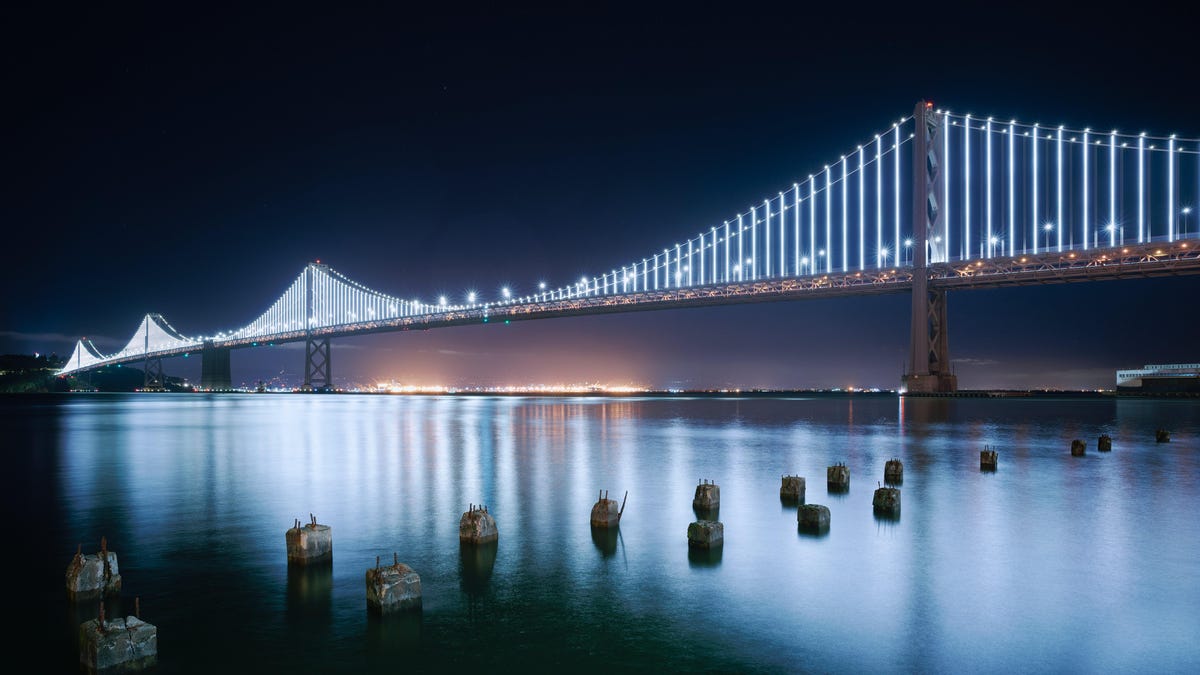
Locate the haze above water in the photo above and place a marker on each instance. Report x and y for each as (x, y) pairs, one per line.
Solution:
(1051, 564)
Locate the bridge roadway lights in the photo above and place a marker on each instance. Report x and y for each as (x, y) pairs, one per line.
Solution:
(215, 374)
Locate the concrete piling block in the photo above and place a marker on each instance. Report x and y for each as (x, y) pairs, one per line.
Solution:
(837, 478)
(1078, 448)
(393, 588)
(708, 496)
(987, 459)
(1104, 444)
(309, 544)
(893, 471)
(706, 534)
(93, 576)
(606, 513)
(125, 643)
(477, 526)
(813, 518)
(887, 501)
(1162, 436)
(792, 488)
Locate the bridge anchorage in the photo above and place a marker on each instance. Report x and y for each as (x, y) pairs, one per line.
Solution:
(936, 202)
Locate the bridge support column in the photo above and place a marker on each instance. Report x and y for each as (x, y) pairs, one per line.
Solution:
(316, 364)
(930, 345)
(154, 378)
(929, 361)
(215, 373)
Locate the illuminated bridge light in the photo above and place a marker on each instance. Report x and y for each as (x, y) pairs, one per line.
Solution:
(1093, 196)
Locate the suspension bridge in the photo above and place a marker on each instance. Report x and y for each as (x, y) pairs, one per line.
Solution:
(934, 202)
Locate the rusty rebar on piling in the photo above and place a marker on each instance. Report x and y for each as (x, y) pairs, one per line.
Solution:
(395, 558)
(622, 511)
(104, 557)
(101, 620)
(137, 607)
(376, 562)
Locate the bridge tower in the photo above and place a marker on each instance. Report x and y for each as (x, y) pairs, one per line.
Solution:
(154, 379)
(317, 375)
(929, 360)
(215, 373)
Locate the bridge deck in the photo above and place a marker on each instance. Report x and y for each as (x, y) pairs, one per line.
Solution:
(1123, 262)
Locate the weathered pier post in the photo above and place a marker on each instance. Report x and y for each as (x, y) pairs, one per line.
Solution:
(93, 576)
(987, 459)
(791, 489)
(1104, 443)
(837, 478)
(1078, 448)
(887, 502)
(708, 496)
(477, 526)
(125, 643)
(706, 534)
(813, 518)
(606, 513)
(393, 588)
(309, 544)
(1162, 436)
(893, 472)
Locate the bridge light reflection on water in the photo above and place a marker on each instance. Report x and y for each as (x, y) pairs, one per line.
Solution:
(186, 481)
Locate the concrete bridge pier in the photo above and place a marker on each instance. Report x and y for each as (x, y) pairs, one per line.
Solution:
(215, 374)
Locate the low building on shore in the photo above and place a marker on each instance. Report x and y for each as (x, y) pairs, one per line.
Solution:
(1171, 378)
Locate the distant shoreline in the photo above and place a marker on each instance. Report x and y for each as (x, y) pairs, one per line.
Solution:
(713, 394)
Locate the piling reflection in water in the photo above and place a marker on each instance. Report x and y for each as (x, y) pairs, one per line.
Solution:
(309, 599)
(393, 639)
(605, 540)
(476, 562)
(705, 557)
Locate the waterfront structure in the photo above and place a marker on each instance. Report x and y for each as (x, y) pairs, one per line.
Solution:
(1161, 378)
(941, 201)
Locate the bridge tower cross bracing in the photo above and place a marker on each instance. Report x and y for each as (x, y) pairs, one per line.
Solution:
(929, 360)
(152, 370)
(316, 349)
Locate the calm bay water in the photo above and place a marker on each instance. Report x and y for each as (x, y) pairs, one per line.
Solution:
(1051, 564)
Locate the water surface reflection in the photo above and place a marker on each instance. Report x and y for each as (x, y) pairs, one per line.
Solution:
(1051, 563)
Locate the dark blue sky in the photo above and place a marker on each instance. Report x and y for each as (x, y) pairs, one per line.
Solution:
(190, 163)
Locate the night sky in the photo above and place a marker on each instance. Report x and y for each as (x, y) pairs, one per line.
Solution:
(190, 163)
